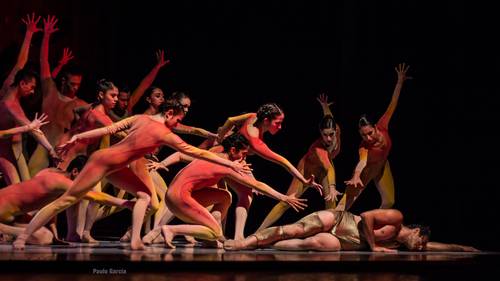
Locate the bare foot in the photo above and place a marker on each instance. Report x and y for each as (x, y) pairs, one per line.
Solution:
(127, 236)
(191, 242)
(137, 244)
(235, 245)
(212, 244)
(73, 238)
(87, 238)
(168, 235)
(152, 236)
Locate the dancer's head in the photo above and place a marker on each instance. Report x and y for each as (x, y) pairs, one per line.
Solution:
(70, 80)
(76, 165)
(183, 99)
(107, 93)
(173, 112)
(270, 117)
(417, 238)
(328, 130)
(369, 132)
(236, 146)
(25, 80)
(123, 99)
(154, 97)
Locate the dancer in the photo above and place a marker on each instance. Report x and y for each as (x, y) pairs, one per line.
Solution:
(34, 125)
(59, 101)
(379, 230)
(253, 126)
(373, 152)
(192, 191)
(317, 161)
(145, 134)
(22, 198)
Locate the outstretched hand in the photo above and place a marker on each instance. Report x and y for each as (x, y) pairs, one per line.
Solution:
(311, 182)
(242, 168)
(160, 58)
(332, 195)
(63, 149)
(355, 182)
(154, 165)
(49, 24)
(31, 23)
(296, 203)
(38, 121)
(401, 70)
(323, 100)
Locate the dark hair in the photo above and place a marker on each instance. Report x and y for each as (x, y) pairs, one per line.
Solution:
(178, 95)
(150, 90)
(67, 70)
(328, 122)
(24, 75)
(77, 163)
(235, 140)
(364, 121)
(268, 110)
(102, 85)
(125, 89)
(171, 104)
(424, 230)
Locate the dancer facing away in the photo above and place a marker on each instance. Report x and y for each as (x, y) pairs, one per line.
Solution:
(253, 126)
(379, 230)
(145, 134)
(373, 152)
(59, 101)
(192, 190)
(317, 161)
(22, 198)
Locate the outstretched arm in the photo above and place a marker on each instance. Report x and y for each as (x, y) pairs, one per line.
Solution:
(443, 247)
(379, 217)
(401, 70)
(31, 28)
(49, 27)
(184, 129)
(34, 125)
(66, 57)
(106, 199)
(148, 80)
(231, 122)
(356, 177)
(296, 203)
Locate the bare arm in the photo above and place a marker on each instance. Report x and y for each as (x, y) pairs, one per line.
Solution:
(325, 105)
(106, 199)
(379, 217)
(443, 247)
(231, 122)
(184, 129)
(148, 80)
(34, 125)
(401, 70)
(66, 57)
(31, 28)
(48, 85)
(363, 157)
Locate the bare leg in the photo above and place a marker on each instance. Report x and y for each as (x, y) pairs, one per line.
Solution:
(22, 166)
(39, 160)
(319, 242)
(42, 236)
(245, 197)
(8, 170)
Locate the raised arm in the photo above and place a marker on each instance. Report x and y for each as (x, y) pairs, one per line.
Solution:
(66, 57)
(178, 144)
(148, 80)
(325, 105)
(231, 122)
(49, 27)
(356, 177)
(31, 28)
(380, 217)
(34, 125)
(401, 70)
(296, 203)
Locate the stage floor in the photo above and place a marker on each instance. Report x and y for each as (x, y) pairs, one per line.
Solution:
(110, 259)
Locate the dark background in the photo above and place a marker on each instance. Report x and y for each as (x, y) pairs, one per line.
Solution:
(232, 56)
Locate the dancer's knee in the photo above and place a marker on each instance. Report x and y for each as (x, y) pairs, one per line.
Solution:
(43, 236)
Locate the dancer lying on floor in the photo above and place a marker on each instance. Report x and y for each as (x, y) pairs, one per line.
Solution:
(379, 230)
(22, 198)
(192, 190)
(145, 134)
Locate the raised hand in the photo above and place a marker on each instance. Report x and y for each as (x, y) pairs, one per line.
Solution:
(160, 58)
(66, 57)
(31, 23)
(311, 182)
(332, 195)
(296, 203)
(401, 70)
(49, 24)
(154, 165)
(323, 100)
(38, 122)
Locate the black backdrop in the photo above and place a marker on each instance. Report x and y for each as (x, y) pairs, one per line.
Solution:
(232, 56)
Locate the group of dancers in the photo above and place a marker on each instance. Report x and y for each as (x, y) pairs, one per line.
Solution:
(84, 149)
